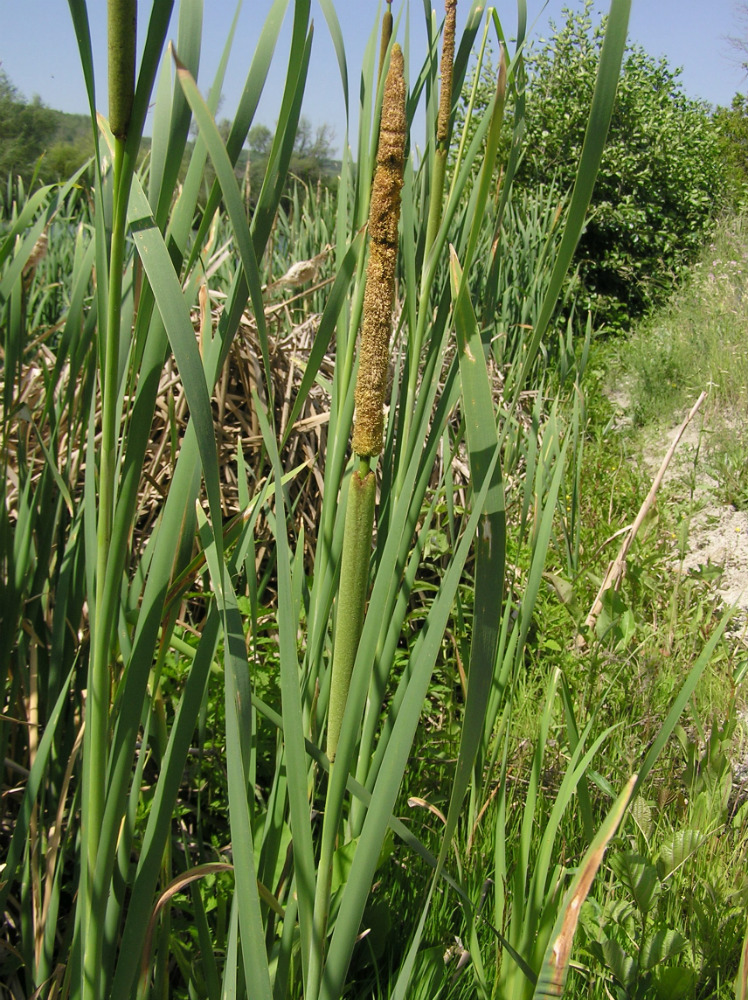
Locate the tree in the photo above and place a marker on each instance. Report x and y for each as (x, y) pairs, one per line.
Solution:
(312, 151)
(310, 160)
(25, 131)
(260, 139)
(64, 158)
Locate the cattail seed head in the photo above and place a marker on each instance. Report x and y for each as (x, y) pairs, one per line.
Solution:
(384, 215)
(122, 15)
(386, 35)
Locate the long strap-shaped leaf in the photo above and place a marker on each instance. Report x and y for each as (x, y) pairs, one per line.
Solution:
(286, 125)
(238, 738)
(482, 441)
(741, 980)
(233, 201)
(160, 816)
(293, 726)
(175, 314)
(171, 118)
(333, 25)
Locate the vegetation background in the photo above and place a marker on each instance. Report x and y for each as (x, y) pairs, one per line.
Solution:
(180, 322)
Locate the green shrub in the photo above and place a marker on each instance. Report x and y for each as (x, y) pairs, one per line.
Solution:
(655, 194)
(664, 160)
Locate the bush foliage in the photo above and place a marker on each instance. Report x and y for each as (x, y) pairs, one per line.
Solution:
(732, 124)
(655, 195)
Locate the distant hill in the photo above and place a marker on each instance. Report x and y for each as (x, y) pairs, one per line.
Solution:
(37, 139)
(52, 145)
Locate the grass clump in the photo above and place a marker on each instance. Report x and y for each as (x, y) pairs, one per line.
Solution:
(697, 341)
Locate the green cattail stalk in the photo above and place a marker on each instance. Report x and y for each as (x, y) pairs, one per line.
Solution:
(384, 215)
(122, 35)
(354, 579)
(442, 123)
(122, 16)
(121, 84)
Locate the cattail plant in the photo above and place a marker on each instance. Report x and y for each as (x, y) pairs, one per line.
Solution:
(371, 383)
(122, 41)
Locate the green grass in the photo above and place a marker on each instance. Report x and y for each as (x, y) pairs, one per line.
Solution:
(697, 342)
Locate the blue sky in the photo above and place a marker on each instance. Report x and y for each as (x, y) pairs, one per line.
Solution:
(38, 49)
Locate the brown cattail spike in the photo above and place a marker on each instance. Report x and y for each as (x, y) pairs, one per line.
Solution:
(384, 214)
(448, 58)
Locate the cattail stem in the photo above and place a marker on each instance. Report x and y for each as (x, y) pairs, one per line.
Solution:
(354, 578)
(121, 27)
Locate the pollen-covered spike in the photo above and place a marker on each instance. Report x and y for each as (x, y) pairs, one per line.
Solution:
(448, 58)
(384, 215)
